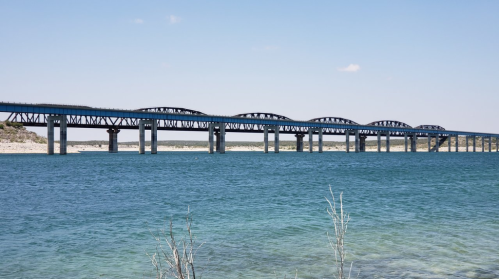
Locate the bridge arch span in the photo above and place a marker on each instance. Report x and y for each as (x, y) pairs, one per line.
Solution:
(335, 120)
(430, 127)
(263, 115)
(389, 123)
(171, 110)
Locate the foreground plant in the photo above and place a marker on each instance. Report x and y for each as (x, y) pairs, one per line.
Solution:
(175, 260)
(340, 222)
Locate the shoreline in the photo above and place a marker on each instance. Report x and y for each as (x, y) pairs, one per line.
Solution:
(41, 148)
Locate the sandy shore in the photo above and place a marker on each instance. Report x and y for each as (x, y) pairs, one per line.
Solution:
(32, 147)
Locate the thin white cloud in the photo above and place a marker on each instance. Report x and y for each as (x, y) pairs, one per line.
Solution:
(174, 19)
(138, 21)
(352, 68)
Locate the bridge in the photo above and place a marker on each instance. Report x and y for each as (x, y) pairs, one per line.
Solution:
(180, 119)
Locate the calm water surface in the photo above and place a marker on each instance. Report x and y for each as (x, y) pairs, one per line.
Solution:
(412, 215)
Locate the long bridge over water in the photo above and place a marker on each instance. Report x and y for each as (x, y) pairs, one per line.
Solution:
(180, 119)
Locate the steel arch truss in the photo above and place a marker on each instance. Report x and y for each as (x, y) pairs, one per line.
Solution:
(386, 123)
(430, 127)
(334, 120)
(171, 110)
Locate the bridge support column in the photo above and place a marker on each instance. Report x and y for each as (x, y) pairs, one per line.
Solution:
(266, 138)
(154, 137)
(299, 142)
(276, 140)
(62, 136)
(220, 137)
(320, 141)
(311, 139)
(388, 141)
(113, 140)
(347, 142)
(429, 143)
(437, 143)
(414, 141)
(357, 141)
(449, 140)
(50, 135)
(379, 141)
(210, 139)
(490, 144)
(217, 141)
(405, 142)
(474, 143)
(467, 144)
(142, 136)
(457, 143)
(483, 144)
(497, 144)
(363, 143)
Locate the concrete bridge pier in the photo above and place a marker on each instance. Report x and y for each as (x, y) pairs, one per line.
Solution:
(347, 142)
(457, 143)
(497, 144)
(414, 141)
(388, 141)
(467, 144)
(217, 141)
(483, 144)
(490, 144)
(299, 142)
(276, 140)
(474, 143)
(363, 143)
(357, 141)
(405, 143)
(437, 143)
(429, 143)
(311, 139)
(266, 138)
(63, 136)
(449, 139)
(379, 141)
(220, 137)
(320, 141)
(142, 136)
(113, 140)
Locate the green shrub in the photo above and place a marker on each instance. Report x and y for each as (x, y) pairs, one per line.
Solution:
(1, 126)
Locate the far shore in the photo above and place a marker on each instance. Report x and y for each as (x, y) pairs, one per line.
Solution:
(33, 148)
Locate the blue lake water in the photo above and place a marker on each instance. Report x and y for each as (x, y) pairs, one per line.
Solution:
(413, 215)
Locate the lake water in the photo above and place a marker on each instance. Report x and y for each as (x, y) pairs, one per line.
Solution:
(89, 215)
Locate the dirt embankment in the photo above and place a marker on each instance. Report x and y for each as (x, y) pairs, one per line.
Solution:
(11, 132)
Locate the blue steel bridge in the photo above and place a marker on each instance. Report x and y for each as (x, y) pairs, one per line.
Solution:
(180, 119)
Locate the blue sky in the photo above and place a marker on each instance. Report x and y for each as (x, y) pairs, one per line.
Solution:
(420, 62)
